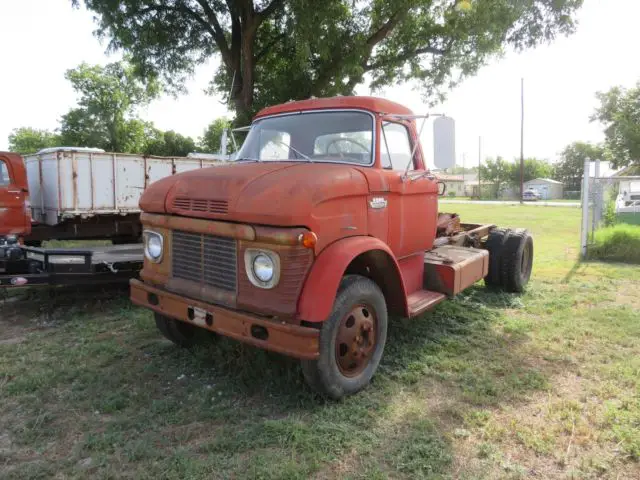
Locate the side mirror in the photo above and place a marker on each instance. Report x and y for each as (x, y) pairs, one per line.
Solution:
(444, 142)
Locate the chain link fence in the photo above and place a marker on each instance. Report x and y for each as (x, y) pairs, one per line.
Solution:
(607, 201)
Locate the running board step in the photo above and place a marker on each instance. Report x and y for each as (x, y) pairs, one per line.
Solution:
(423, 300)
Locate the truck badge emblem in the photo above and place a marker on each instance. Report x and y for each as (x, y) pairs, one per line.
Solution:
(378, 202)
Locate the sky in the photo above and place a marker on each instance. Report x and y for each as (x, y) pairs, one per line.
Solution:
(41, 39)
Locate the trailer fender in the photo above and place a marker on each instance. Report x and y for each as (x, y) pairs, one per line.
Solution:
(364, 255)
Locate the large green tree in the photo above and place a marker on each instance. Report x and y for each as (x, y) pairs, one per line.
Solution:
(106, 114)
(29, 140)
(619, 112)
(570, 169)
(276, 50)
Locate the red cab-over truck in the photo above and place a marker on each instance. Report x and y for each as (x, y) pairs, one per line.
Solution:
(324, 227)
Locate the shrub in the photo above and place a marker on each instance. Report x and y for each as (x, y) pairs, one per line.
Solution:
(451, 194)
(609, 214)
(619, 243)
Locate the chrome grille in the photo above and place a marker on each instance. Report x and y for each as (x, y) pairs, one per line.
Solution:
(205, 259)
(197, 205)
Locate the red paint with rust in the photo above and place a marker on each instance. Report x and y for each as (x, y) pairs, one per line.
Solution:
(368, 220)
(329, 267)
(15, 215)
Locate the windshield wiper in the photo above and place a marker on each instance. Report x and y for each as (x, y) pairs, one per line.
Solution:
(296, 151)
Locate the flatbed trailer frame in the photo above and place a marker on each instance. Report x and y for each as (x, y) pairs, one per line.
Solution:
(70, 266)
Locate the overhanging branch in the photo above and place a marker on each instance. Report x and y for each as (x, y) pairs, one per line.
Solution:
(218, 32)
(399, 59)
(269, 9)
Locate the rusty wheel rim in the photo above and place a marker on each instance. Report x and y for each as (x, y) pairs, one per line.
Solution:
(356, 340)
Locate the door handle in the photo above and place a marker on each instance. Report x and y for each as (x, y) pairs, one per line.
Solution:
(14, 191)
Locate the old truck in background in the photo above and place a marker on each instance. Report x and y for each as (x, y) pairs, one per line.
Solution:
(324, 226)
(76, 193)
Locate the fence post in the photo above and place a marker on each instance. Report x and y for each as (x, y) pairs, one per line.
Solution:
(585, 210)
(597, 198)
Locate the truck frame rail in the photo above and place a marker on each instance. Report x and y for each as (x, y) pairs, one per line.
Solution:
(29, 266)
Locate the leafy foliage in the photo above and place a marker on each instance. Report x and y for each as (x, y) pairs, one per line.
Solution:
(106, 117)
(169, 144)
(275, 50)
(570, 168)
(533, 168)
(212, 136)
(109, 96)
(498, 172)
(29, 140)
(619, 111)
(502, 173)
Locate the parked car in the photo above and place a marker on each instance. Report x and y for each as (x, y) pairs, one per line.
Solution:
(531, 194)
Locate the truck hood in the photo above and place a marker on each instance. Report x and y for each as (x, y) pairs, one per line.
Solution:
(267, 193)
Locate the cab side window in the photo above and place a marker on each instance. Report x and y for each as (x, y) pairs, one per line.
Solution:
(395, 150)
(4, 174)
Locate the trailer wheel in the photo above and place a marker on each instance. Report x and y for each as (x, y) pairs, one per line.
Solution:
(517, 261)
(352, 340)
(495, 244)
(180, 333)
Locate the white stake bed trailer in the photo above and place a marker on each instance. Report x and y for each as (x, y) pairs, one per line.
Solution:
(80, 193)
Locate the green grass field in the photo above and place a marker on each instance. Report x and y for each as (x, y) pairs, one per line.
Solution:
(489, 385)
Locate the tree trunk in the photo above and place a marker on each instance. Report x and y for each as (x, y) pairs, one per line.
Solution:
(242, 92)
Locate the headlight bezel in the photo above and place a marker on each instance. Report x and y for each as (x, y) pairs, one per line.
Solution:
(250, 255)
(147, 235)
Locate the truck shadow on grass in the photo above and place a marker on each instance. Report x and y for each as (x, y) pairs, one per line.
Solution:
(103, 394)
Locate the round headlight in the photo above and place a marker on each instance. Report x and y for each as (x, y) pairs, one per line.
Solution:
(263, 267)
(153, 247)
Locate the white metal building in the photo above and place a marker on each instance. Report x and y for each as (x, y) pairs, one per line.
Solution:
(549, 189)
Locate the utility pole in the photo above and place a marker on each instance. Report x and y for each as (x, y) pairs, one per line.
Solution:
(521, 139)
(479, 163)
(464, 158)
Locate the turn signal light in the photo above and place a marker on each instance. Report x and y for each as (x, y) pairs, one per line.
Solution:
(308, 239)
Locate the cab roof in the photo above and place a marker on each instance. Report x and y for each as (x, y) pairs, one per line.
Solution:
(372, 104)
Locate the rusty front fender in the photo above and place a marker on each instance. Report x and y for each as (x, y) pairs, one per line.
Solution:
(321, 286)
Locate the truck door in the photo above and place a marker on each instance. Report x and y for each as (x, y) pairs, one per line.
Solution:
(413, 207)
(13, 195)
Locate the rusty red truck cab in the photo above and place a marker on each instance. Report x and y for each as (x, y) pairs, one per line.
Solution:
(324, 226)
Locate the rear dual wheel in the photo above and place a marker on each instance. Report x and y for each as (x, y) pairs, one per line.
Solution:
(352, 340)
(510, 259)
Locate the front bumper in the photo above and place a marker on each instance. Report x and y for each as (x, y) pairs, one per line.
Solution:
(290, 340)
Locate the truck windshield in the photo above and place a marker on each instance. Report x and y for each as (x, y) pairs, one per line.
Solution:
(340, 136)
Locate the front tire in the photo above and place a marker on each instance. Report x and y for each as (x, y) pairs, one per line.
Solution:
(180, 333)
(352, 340)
